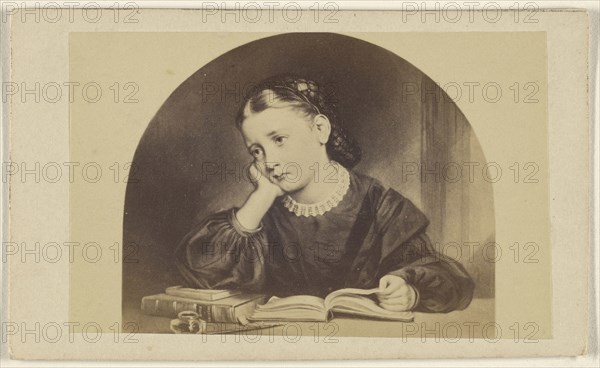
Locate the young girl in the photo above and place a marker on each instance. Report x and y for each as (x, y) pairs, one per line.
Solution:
(312, 225)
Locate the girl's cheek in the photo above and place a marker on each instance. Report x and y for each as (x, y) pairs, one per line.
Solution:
(292, 152)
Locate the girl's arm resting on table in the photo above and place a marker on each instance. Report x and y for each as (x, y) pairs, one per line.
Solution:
(226, 250)
(441, 283)
(221, 253)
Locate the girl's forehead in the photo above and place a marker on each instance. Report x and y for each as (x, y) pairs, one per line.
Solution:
(270, 119)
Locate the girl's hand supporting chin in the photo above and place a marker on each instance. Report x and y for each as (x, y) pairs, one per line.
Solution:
(263, 184)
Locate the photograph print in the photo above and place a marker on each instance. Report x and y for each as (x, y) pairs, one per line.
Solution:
(307, 177)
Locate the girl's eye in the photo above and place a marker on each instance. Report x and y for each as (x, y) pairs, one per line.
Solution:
(280, 140)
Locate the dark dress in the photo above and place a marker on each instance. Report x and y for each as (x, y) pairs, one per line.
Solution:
(370, 233)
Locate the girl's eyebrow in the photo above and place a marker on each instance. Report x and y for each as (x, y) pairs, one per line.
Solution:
(270, 134)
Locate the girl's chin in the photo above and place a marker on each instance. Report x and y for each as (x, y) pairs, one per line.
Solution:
(288, 187)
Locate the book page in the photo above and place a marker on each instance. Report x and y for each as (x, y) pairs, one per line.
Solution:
(330, 298)
(275, 302)
(356, 306)
(292, 308)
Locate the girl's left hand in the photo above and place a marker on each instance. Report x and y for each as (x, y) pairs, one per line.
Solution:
(396, 294)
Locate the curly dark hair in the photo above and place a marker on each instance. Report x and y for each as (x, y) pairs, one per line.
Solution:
(308, 97)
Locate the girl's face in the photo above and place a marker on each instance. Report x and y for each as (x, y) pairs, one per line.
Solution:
(288, 143)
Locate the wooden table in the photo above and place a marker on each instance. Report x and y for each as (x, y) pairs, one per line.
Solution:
(474, 322)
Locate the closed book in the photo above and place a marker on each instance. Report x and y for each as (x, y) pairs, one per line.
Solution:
(200, 294)
(224, 310)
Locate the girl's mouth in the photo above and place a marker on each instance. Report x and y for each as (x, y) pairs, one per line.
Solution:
(280, 177)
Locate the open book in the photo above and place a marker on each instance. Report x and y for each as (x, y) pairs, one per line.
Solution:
(311, 308)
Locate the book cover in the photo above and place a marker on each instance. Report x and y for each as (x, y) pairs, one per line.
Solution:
(228, 309)
(200, 294)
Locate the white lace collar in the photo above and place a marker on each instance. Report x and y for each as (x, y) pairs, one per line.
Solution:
(319, 208)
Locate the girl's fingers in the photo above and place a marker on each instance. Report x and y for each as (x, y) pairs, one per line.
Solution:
(402, 291)
(253, 173)
(406, 300)
(389, 284)
(394, 307)
(384, 284)
(397, 299)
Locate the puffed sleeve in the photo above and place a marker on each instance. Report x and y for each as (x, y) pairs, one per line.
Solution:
(442, 284)
(219, 253)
